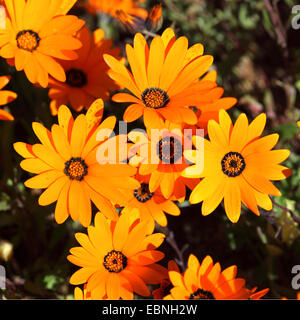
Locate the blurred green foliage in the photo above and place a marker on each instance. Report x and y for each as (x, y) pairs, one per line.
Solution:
(258, 62)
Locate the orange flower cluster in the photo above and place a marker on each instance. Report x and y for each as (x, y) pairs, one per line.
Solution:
(168, 84)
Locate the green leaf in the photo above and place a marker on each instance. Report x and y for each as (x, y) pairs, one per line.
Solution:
(287, 130)
(247, 21)
(51, 281)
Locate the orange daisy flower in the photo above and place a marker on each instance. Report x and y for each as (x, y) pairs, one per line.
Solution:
(206, 281)
(67, 167)
(5, 98)
(117, 258)
(159, 153)
(37, 32)
(83, 83)
(163, 79)
(298, 124)
(238, 166)
(149, 205)
(115, 7)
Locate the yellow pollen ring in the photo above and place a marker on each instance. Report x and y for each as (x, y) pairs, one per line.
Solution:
(27, 40)
(75, 169)
(233, 164)
(115, 261)
(155, 98)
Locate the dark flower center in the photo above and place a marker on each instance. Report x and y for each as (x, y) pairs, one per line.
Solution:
(155, 98)
(27, 40)
(201, 294)
(143, 193)
(233, 164)
(76, 169)
(76, 78)
(169, 150)
(115, 261)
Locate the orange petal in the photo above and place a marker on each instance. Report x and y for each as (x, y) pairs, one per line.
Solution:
(78, 135)
(65, 120)
(61, 209)
(259, 182)
(215, 198)
(121, 75)
(146, 257)
(193, 263)
(190, 280)
(261, 145)
(62, 41)
(60, 141)
(176, 278)
(81, 276)
(51, 194)
(167, 184)
(5, 98)
(34, 165)
(256, 127)
(49, 156)
(85, 207)
(152, 119)
(232, 200)
(113, 287)
(97, 279)
(125, 97)
(156, 60)
(43, 134)
(24, 149)
(137, 69)
(152, 274)
(43, 180)
(4, 115)
(73, 199)
(121, 232)
(239, 133)
(133, 112)
(51, 66)
(137, 283)
(173, 63)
